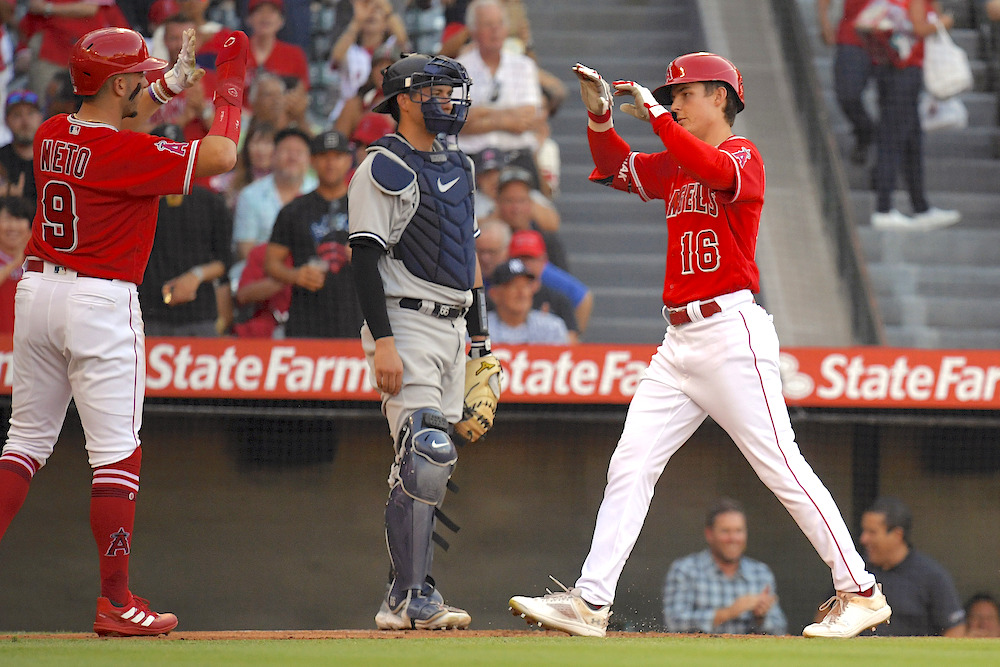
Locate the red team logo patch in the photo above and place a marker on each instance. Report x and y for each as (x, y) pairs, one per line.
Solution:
(742, 156)
(175, 147)
(119, 543)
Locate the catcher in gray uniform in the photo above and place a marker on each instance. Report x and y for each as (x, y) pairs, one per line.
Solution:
(412, 232)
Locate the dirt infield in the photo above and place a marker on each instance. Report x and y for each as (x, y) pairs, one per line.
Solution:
(217, 635)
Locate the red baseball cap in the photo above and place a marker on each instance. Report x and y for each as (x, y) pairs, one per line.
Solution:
(526, 243)
(161, 10)
(254, 4)
(373, 126)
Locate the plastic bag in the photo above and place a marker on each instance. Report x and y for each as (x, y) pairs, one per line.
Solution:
(946, 66)
(949, 114)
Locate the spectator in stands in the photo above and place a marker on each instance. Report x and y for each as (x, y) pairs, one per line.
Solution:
(992, 9)
(58, 24)
(456, 36)
(506, 98)
(262, 301)
(900, 138)
(254, 162)
(982, 616)
(267, 52)
(258, 204)
(207, 29)
(15, 230)
(191, 253)
(492, 246)
(368, 96)
(156, 13)
(529, 246)
(923, 596)
(514, 320)
(269, 101)
(23, 115)
(191, 109)
(11, 65)
(852, 70)
(297, 29)
(424, 22)
(59, 96)
(519, 206)
(373, 126)
(312, 231)
(373, 25)
(721, 590)
(489, 163)
(297, 106)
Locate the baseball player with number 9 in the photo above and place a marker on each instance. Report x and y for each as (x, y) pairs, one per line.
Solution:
(78, 329)
(719, 356)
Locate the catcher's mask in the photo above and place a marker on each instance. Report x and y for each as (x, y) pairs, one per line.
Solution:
(418, 71)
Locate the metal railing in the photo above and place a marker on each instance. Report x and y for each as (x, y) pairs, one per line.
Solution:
(838, 214)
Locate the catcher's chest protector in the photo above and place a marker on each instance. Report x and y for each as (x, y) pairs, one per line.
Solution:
(438, 244)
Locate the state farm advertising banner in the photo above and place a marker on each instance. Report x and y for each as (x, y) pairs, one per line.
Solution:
(870, 377)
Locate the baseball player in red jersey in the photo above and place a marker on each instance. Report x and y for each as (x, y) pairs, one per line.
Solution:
(78, 330)
(719, 356)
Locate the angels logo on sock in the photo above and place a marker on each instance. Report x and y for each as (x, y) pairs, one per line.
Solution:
(119, 543)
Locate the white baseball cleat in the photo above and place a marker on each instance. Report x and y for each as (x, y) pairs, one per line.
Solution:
(566, 611)
(850, 614)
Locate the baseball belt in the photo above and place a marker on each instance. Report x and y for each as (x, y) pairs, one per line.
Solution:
(678, 316)
(38, 266)
(441, 310)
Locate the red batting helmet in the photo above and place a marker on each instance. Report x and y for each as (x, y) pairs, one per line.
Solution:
(103, 53)
(701, 66)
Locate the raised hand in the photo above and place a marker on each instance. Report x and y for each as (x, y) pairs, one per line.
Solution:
(645, 106)
(594, 90)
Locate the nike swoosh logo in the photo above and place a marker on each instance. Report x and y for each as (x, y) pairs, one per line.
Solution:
(444, 187)
(439, 445)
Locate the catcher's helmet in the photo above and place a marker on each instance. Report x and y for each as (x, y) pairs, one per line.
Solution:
(701, 66)
(417, 71)
(103, 53)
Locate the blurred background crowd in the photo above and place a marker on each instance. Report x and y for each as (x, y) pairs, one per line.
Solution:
(220, 264)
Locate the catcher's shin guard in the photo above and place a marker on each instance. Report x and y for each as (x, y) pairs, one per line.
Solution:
(426, 457)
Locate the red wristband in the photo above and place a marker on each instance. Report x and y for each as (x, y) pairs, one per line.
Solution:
(603, 118)
(227, 122)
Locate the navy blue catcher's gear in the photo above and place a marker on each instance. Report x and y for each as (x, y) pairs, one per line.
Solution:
(438, 244)
(418, 71)
(427, 457)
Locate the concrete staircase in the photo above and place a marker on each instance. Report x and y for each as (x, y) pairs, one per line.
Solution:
(937, 289)
(616, 242)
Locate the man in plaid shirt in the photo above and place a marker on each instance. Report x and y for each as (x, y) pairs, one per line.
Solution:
(719, 590)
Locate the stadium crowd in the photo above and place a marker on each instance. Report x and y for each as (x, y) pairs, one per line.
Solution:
(223, 262)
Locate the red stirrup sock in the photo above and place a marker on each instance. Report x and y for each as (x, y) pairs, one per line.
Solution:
(16, 471)
(112, 515)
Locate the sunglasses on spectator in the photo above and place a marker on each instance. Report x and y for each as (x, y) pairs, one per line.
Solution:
(22, 96)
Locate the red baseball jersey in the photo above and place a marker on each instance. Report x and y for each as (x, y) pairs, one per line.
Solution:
(98, 194)
(713, 197)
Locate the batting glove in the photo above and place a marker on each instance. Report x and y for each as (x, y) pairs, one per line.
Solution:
(594, 90)
(646, 107)
(184, 74)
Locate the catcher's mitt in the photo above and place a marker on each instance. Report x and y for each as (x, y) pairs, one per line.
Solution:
(482, 392)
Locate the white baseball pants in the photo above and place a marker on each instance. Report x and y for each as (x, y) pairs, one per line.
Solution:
(726, 367)
(81, 338)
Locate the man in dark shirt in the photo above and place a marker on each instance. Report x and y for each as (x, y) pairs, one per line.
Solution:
(23, 115)
(923, 596)
(312, 229)
(191, 251)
